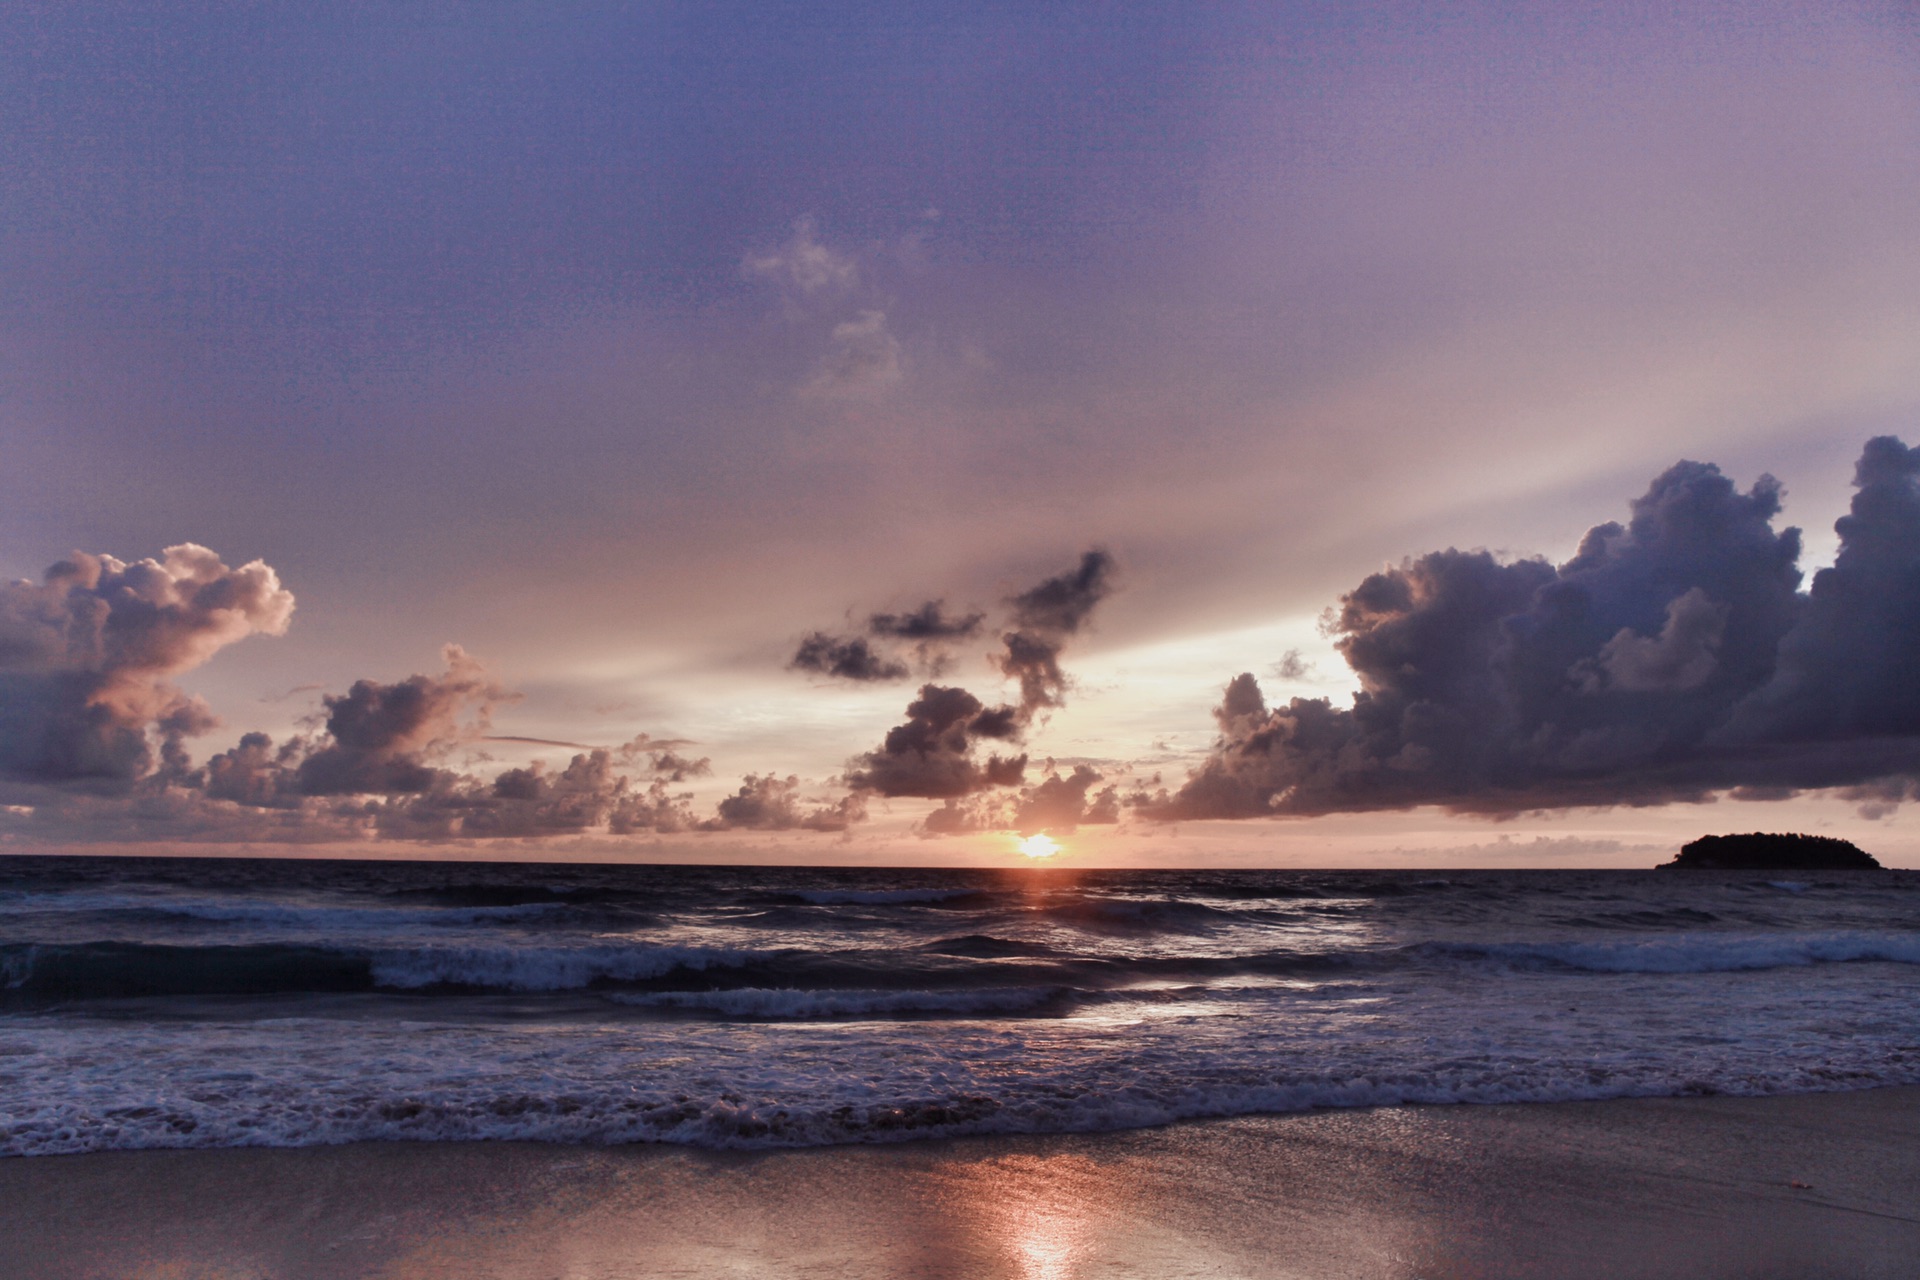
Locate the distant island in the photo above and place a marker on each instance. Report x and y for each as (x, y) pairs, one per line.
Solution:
(1762, 851)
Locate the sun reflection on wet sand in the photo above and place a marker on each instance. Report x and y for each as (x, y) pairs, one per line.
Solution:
(1040, 1213)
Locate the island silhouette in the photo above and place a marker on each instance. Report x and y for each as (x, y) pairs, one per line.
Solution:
(1764, 851)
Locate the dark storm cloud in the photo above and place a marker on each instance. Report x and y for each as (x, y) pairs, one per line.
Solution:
(87, 655)
(1044, 618)
(1670, 659)
(932, 755)
(929, 622)
(929, 631)
(848, 657)
(1850, 669)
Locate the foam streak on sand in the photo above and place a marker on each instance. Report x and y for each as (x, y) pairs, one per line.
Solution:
(178, 1004)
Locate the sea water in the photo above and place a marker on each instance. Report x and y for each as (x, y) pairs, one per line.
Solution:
(223, 1002)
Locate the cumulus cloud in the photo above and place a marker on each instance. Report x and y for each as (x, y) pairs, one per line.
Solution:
(1672, 658)
(927, 633)
(377, 768)
(770, 803)
(1044, 619)
(803, 265)
(383, 737)
(1293, 665)
(1055, 804)
(1060, 804)
(587, 795)
(863, 358)
(90, 729)
(933, 755)
(87, 658)
(1850, 670)
(929, 622)
(847, 657)
(661, 757)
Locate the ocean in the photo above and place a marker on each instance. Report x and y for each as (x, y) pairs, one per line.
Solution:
(220, 1002)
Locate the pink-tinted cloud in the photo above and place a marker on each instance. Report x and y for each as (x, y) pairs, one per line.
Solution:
(88, 655)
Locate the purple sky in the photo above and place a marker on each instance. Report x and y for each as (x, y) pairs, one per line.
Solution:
(627, 347)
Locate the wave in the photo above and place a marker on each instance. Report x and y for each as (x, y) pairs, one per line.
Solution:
(780, 1004)
(534, 968)
(963, 966)
(36, 972)
(884, 897)
(111, 970)
(523, 895)
(1695, 952)
(1148, 915)
(985, 946)
(251, 1110)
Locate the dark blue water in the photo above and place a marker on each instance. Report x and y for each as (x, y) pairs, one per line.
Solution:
(179, 1002)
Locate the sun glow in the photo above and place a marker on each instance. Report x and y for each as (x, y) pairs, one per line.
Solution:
(1038, 846)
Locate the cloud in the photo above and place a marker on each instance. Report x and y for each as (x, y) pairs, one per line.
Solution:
(87, 657)
(803, 265)
(532, 802)
(863, 359)
(662, 758)
(932, 755)
(1682, 656)
(859, 659)
(1850, 670)
(847, 657)
(1293, 666)
(929, 627)
(1060, 804)
(382, 737)
(376, 769)
(1044, 618)
(1671, 659)
(770, 803)
(929, 622)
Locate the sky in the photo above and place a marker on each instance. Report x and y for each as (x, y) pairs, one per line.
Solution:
(880, 433)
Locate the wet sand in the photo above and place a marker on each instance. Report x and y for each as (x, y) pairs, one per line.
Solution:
(1800, 1187)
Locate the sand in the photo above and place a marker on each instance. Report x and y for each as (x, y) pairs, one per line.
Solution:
(1811, 1186)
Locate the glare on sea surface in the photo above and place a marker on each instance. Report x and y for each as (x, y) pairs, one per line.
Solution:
(1041, 846)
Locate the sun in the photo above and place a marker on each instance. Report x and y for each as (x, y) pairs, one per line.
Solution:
(1038, 846)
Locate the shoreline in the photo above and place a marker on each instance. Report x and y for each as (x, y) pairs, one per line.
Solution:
(1788, 1185)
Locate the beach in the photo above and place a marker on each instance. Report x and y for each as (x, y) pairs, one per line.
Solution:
(1811, 1185)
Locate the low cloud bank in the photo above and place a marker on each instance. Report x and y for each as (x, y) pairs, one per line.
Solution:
(91, 726)
(1672, 658)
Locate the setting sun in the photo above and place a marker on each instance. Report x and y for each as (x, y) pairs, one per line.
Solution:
(1039, 846)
